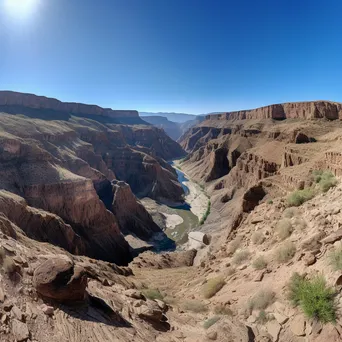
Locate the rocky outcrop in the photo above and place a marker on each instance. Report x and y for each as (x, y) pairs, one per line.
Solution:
(130, 213)
(11, 99)
(172, 129)
(60, 279)
(295, 110)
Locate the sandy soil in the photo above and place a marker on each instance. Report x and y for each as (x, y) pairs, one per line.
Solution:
(172, 220)
(197, 199)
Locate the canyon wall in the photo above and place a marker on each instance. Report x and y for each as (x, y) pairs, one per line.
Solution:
(11, 98)
(295, 110)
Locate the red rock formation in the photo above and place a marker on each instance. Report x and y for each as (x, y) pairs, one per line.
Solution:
(130, 213)
(11, 98)
(299, 110)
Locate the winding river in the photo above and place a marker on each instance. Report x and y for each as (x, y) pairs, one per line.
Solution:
(191, 211)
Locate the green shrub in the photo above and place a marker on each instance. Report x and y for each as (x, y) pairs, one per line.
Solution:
(336, 258)
(206, 214)
(314, 297)
(269, 202)
(284, 229)
(152, 294)
(221, 309)
(285, 252)
(261, 300)
(317, 175)
(296, 198)
(327, 181)
(290, 212)
(259, 263)
(240, 256)
(258, 238)
(211, 321)
(262, 317)
(212, 286)
(195, 306)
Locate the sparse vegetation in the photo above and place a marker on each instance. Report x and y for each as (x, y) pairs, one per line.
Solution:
(259, 263)
(270, 202)
(261, 300)
(152, 294)
(284, 229)
(229, 271)
(234, 245)
(285, 252)
(290, 212)
(221, 309)
(335, 258)
(298, 197)
(211, 321)
(240, 256)
(258, 238)
(263, 317)
(299, 223)
(327, 181)
(314, 297)
(206, 214)
(195, 306)
(212, 286)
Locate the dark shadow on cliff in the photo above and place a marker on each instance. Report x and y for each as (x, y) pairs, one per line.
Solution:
(96, 310)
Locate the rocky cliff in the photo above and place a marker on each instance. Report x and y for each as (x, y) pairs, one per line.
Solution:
(65, 166)
(13, 99)
(294, 110)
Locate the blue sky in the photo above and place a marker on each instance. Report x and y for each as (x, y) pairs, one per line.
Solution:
(173, 55)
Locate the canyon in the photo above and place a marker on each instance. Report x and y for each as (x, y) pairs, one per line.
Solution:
(84, 189)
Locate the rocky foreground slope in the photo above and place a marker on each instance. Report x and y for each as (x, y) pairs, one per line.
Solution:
(62, 157)
(275, 190)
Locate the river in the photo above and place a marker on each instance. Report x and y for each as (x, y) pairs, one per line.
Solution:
(191, 211)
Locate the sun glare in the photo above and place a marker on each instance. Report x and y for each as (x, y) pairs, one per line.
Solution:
(20, 8)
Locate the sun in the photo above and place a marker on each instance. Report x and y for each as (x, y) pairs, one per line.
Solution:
(20, 8)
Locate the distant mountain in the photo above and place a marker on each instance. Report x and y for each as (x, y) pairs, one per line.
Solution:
(175, 117)
(173, 129)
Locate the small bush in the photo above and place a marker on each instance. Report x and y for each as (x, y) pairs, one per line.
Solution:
(229, 271)
(269, 202)
(285, 252)
(327, 181)
(336, 258)
(298, 197)
(290, 212)
(261, 300)
(284, 229)
(240, 256)
(206, 214)
(234, 245)
(194, 306)
(258, 238)
(314, 297)
(262, 317)
(221, 309)
(259, 263)
(299, 223)
(212, 286)
(152, 294)
(210, 321)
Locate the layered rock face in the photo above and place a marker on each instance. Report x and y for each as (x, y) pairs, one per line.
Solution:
(295, 110)
(66, 167)
(11, 98)
(246, 157)
(130, 213)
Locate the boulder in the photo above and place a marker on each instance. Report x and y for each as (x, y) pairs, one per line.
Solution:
(20, 331)
(60, 279)
(198, 240)
(150, 310)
